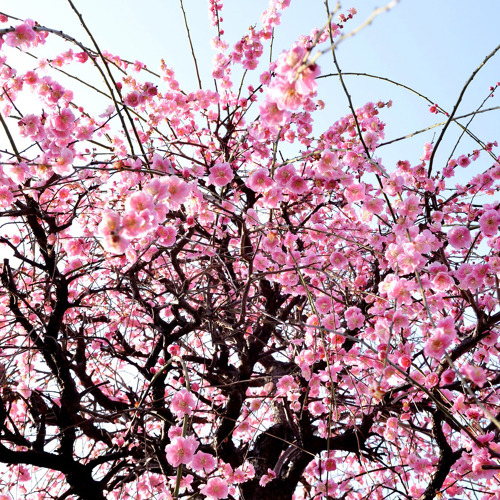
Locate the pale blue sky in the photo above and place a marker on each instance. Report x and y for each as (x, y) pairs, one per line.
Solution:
(430, 45)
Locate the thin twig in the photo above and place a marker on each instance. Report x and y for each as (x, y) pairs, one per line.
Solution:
(355, 117)
(366, 23)
(363, 25)
(438, 125)
(191, 45)
(457, 104)
(104, 60)
(11, 139)
(406, 87)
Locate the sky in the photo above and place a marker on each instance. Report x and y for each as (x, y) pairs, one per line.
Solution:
(432, 46)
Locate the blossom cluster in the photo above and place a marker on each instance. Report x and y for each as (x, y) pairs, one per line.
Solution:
(206, 295)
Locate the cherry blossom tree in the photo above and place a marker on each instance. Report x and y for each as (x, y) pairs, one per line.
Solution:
(203, 296)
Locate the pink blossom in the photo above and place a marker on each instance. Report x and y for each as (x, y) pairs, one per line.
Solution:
(371, 139)
(183, 403)
(286, 95)
(447, 324)
(373, 205)
(297, 185)
(323, 304)
(330, 464)
(319, 232)
(134, 226)
(489, 222)
(24, 474)
(284, 174)
(472, 281)
(167, 235)
(400, 291)
(259, 180)
(265, 78)
(132, 99)
(437, 343)
(447, 377)
(221, 174)
(157, 189)
(463, 161)
(400, 320)
(81, 57)
(21, 37)
(250, 64)
(238, 476)
(260, 262)
(475, 374)
(431, 380)
(203, 462)
(180, 451)
(442, 281)
(110, 223)
(410, 260)
(306, 81)
(84, 131)
(215, 488)
(286, 384)
(328, 161)
(272, 114)
(139, 201)
(31, 126)
(6, 197)
(391, 429)
(162, 164)
(411, 207)
(355, 192)
(464, 270)
(394, 184)
(63, 162)
(64, 120)
(116, 244)
(338, 260)
(459, 237)
(289, 61)
(270, 241)
(317, 408)
(31, 78)
(267, 478)
(354, 317)
(177, 191)
(404, 361)
(427, 151)
(74, 247)
(272, 198)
